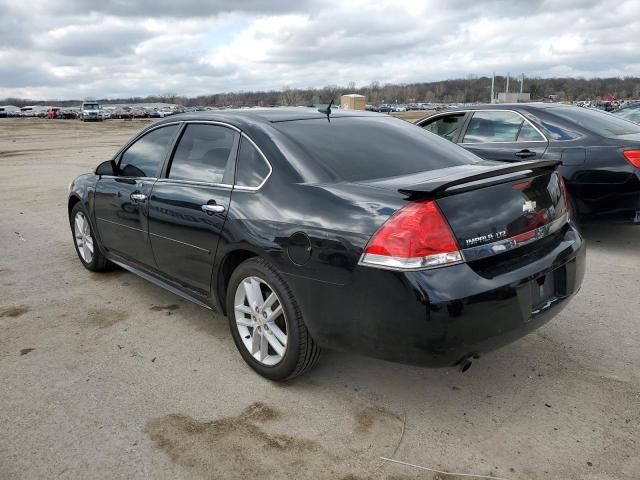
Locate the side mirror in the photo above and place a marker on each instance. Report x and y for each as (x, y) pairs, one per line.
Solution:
(106, 168)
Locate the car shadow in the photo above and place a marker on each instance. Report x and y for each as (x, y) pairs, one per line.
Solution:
(618, 238)
(527, 363)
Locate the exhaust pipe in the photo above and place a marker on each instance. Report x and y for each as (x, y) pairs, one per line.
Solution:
(465, 365)
(466, 362)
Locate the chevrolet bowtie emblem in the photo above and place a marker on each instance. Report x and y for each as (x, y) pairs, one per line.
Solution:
(529, 206)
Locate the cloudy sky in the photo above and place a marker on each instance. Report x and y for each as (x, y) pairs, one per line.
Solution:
(111, 48)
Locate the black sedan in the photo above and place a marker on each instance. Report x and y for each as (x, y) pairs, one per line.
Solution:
(351, 231)
(600, 153)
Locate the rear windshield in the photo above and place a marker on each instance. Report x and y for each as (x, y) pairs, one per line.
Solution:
(367, 148)
(600, 123)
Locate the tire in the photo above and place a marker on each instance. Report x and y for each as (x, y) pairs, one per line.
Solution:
(96, 262)
(300, 353)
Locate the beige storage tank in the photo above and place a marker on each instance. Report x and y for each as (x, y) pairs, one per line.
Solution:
(353, 101)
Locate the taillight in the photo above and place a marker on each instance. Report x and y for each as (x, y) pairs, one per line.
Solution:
(416, 236)
(633, 157)
(565, 194)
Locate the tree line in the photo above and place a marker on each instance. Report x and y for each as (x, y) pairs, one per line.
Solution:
(461, 90)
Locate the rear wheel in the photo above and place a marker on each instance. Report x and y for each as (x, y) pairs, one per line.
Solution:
(85, 241)
(267, 324)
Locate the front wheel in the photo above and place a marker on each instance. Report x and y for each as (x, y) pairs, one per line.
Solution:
(85, 242)
(267, 324)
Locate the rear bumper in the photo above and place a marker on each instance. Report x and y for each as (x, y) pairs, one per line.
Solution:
(438, 317)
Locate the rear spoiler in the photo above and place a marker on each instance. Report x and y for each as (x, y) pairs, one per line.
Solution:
(473, 173)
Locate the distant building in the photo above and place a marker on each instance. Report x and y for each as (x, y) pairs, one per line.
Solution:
(353, 101)
(509, 97)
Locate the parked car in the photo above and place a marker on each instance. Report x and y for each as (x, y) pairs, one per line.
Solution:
(91, 111)
(600, 153)
(67, 113)
(365, 233)
(631, 113)
(28, 112)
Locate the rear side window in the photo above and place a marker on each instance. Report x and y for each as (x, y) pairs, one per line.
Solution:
(446, 127)
(145, 157)
(600, 123)
(367, 148)
(252, 168)
(492, 127)
(529, 134)
(202, 154)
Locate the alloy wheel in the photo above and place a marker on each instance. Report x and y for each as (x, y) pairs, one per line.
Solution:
(82, 234)
(261, 321)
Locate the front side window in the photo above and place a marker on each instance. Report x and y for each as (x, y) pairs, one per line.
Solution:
(144, 158)
(202, 154)
(252, 169)
(446, 127)
(491, 127)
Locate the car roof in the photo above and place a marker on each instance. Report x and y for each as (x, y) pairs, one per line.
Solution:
(245, 116)
(512, 106)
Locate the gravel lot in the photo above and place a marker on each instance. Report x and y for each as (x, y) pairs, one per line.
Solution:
(108, 376)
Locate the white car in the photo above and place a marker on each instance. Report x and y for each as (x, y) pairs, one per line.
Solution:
(91, 111)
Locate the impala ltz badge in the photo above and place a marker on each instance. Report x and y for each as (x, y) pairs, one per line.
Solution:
(489, 237)
(529, 206)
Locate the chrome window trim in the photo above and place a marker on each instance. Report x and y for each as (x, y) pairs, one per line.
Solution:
(422, 122)
(546, 140)
(122, 176)
(139, 136)
(211, 122)
(195, 183)
(501, 246)
(264, 157)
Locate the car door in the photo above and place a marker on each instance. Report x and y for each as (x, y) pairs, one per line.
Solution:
(448, 126)
(189, 205)
(503, 135)
(120, 204)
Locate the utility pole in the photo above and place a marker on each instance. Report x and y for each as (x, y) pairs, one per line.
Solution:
(493, 79)
(521, 82)
(507, 87)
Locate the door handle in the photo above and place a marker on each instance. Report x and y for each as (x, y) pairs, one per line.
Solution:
(212, 208)
(138, 197)
(525, 153)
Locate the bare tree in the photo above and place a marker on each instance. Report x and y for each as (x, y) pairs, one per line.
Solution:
(330, 92)
(290, 96)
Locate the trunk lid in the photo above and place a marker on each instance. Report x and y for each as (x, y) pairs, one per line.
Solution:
(500, 217)
(491, 207)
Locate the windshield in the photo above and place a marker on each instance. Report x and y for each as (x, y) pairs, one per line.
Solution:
(600, 123)
(366, 148)
(91, 106)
